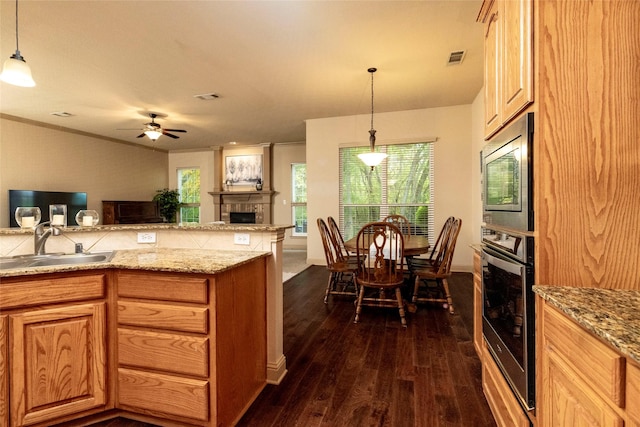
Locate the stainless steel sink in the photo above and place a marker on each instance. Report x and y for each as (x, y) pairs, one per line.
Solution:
(26, 261)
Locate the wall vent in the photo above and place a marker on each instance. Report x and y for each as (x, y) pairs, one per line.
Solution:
(456, 57)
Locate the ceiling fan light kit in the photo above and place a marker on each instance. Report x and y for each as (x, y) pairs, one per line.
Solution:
(15, 70)
(154, 131)
(372, 158)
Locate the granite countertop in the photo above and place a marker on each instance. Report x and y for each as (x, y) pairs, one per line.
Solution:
(159, 226)
(205, 261)
(611, 314)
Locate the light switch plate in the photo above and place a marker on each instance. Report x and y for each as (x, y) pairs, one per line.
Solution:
(148, 237)
(241, 238)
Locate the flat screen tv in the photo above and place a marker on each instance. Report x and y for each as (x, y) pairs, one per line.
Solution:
(75, 202)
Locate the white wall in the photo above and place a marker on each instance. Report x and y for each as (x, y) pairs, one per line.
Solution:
(202, 159)
(454, 190)
(34, 157)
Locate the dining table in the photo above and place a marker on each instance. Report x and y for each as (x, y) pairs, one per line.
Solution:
(413, 245)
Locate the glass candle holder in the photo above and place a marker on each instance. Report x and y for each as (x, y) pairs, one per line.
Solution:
(58, 215)
(28, 216)
(87, 218)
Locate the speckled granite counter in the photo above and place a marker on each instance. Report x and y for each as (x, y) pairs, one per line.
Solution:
(169, 260)
(613, 315)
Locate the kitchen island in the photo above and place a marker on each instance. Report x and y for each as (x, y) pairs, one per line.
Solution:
(169, 336)
(181, 250)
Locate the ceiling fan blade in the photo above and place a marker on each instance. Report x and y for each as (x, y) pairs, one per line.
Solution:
(128, 129)
(175, 130)
(170, 136)
(141, 135)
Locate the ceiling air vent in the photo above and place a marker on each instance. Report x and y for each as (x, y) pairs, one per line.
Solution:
(456, 57)
(207, 96)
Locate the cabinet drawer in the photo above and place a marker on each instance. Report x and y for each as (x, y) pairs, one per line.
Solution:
(162, 286)
(164, 352)
(601, 367)
(163, 394)
(503, 403)
(24, 292)
(163, 316)
(633, 391)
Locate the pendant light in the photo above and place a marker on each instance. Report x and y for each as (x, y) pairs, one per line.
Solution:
(15, 70)
(372, 158)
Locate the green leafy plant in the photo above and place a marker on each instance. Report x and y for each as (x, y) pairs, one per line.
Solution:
(168, 202)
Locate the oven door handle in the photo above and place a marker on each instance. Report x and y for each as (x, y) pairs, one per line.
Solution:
(502, 263)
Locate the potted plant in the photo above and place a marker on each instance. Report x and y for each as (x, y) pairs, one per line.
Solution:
(168, 202)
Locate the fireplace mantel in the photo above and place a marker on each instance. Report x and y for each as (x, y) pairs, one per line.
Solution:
(260, 202)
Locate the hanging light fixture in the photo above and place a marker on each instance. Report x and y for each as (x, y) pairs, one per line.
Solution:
(15, 70)
(372, 158)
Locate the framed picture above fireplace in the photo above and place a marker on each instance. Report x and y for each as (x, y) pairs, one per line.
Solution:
(243, 170)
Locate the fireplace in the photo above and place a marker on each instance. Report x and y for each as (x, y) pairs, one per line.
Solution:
(242, 217)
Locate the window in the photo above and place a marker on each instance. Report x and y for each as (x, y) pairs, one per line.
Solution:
(402, 184)
(299, 198)
(189, 189)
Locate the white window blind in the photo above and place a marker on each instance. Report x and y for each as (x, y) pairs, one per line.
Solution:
(402, 184)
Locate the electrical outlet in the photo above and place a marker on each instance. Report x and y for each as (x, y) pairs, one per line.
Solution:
(148, 237)
(241, 238)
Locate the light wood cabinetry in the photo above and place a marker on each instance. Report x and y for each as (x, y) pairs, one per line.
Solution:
(581, 380)
(55, 328)
(508, 72)
(506, 410)
(4, 371)
(191, 348)
(477, 303)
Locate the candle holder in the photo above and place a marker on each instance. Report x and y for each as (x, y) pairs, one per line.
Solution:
(58, 215)
(87, 218)
(28, 216)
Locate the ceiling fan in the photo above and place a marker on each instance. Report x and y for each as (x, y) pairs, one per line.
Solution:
(154, 131)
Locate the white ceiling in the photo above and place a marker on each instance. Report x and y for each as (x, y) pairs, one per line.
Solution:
(273, 64)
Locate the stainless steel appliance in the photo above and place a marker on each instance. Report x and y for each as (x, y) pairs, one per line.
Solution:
(507, 174)
(508, 308)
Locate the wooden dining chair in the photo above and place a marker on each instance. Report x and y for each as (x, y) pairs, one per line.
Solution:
(431, 282)
(342, 270)
(337, 236)
(436, 253)
(380, 275)
(401, 222)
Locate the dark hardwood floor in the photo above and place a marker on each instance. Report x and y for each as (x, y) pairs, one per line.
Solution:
(374, 373)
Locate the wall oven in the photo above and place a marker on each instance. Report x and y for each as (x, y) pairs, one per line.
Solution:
(508, 308)
(507, 175)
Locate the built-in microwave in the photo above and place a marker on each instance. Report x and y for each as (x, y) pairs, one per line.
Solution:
(507, 176)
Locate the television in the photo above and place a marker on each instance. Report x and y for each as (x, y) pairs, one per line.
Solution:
(75, 202)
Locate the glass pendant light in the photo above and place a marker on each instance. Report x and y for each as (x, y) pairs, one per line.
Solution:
(15, 70)
(372, 158)
(153, 134)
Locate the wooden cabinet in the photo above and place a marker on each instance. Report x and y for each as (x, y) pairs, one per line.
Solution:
(4, 371)
(477, 303)
(504, 406)
(508, 66)
(130, 212)
(192, 348)
(56, 353)
(581, 380)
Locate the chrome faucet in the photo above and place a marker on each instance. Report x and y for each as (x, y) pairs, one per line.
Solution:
(41, 235)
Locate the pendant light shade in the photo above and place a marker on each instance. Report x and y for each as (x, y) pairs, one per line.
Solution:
(153, 134)
(15, 70)
(372, 158)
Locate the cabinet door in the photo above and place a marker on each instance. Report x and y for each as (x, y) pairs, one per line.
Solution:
(493, 119)
(517, 73)
(58, 362)
(4, 372)
(568, 401)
